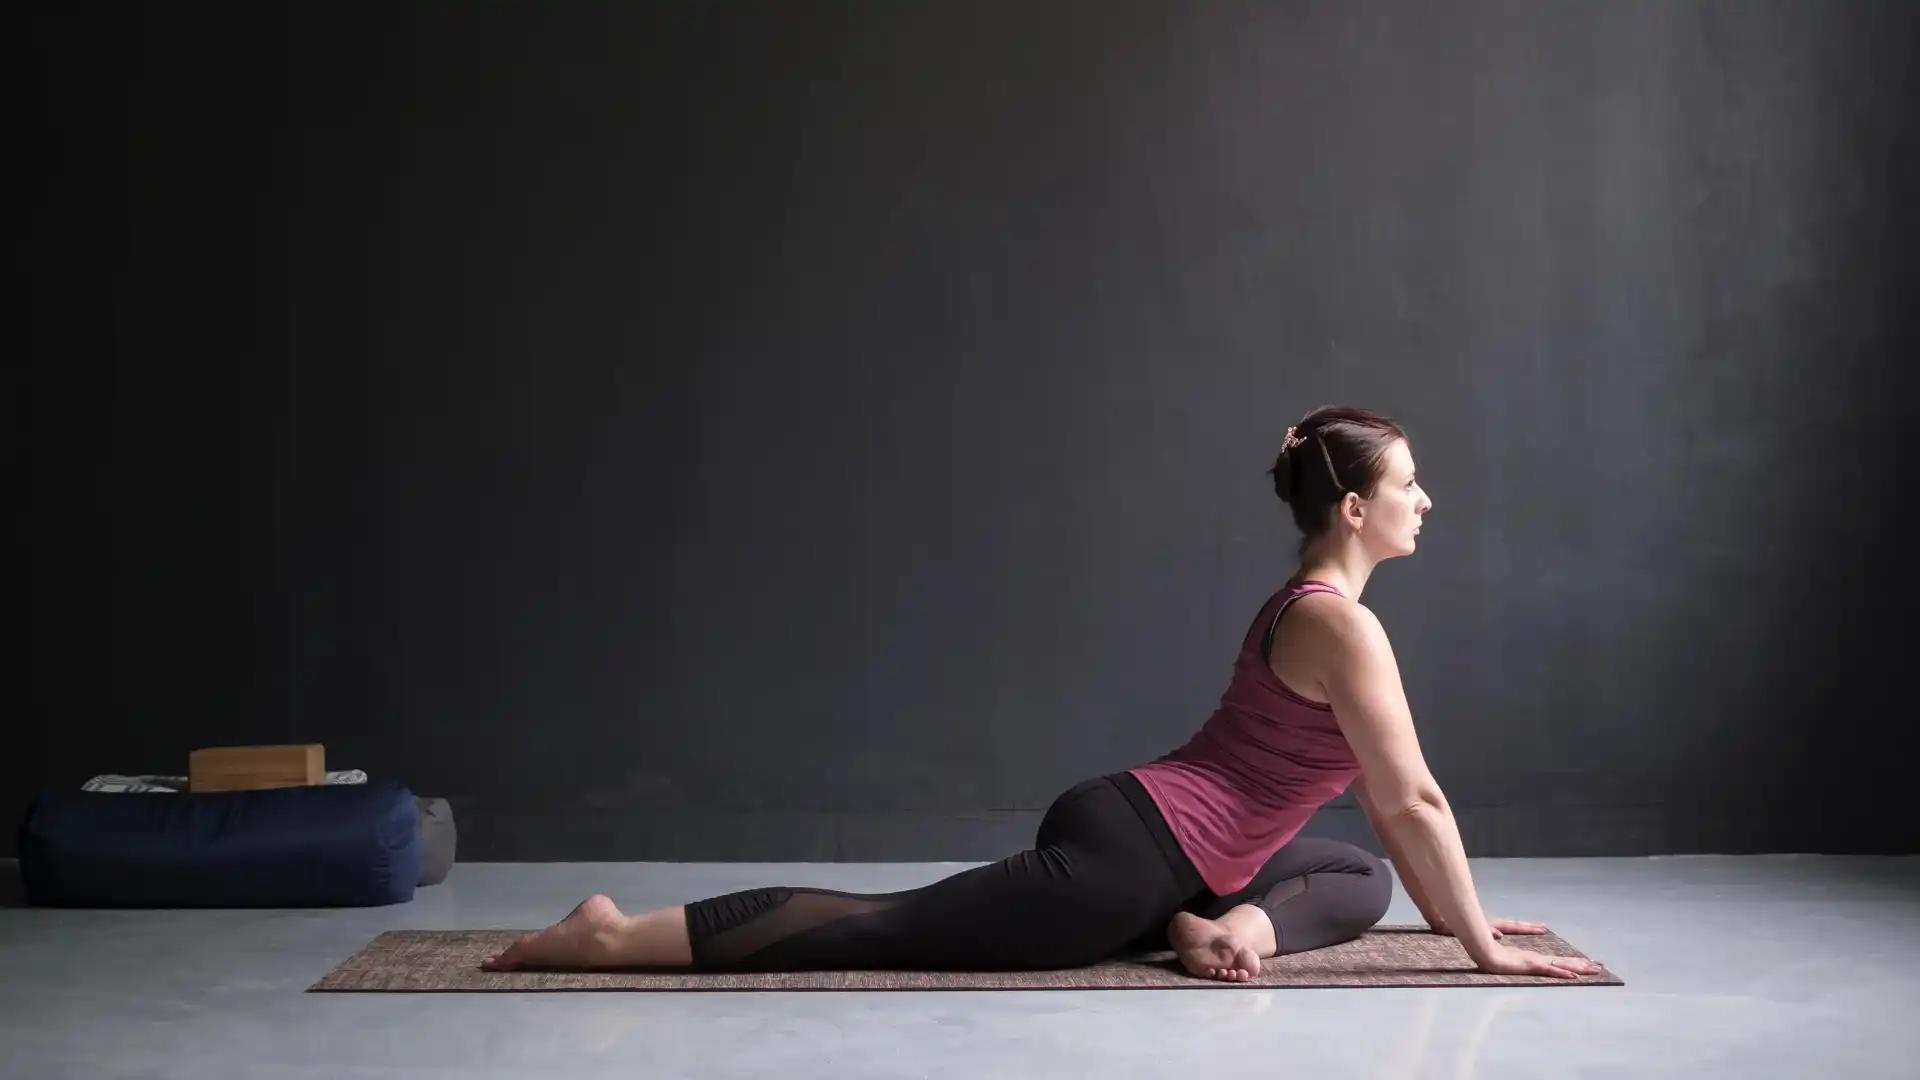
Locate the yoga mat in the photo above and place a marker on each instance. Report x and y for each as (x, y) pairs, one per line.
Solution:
(449, 960)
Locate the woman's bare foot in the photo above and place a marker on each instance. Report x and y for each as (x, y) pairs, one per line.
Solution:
(1210, 950)
(588, 937)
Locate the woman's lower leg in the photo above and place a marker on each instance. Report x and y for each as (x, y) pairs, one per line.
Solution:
(596, 934)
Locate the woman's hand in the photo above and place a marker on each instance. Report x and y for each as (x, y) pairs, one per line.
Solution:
(1507, 960)
(1500, 926)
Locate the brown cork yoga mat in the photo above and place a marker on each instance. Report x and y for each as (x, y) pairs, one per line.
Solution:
(449, 960)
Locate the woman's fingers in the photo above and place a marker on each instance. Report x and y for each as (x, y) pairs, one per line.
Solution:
(1515, 926)
(1574, 966)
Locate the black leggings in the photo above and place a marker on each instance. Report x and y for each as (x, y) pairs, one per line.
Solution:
(1103, 878)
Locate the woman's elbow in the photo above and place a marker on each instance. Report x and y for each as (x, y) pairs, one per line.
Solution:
(1415, 800)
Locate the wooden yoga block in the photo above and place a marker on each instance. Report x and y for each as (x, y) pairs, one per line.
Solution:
(251, 768)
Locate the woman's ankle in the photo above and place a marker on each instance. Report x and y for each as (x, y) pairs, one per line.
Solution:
(1253, 926)
(658, 938)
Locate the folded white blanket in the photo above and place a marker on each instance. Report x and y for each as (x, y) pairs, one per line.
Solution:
(114, 782)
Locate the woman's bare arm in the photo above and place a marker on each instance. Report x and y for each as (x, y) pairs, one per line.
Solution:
(1362, 681)
(1397, 854)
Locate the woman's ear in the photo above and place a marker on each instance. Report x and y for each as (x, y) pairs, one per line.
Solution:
(1352, 509)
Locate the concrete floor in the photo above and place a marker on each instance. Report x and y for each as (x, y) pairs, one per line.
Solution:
(1756, 967)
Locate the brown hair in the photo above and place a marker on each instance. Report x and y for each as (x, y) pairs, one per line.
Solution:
(1331, 451)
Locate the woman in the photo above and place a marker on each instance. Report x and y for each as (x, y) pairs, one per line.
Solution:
(1195, 851)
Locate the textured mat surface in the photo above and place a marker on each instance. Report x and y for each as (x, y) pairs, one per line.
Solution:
(449, 960)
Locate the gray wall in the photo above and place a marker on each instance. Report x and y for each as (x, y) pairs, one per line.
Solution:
(828, 431)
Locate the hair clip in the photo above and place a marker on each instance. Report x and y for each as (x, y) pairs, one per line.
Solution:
(1292, 440)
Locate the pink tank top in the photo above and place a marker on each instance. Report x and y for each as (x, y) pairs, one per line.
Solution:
(1257, 769)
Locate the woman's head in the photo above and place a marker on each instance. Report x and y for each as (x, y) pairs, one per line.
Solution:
(1348, 472)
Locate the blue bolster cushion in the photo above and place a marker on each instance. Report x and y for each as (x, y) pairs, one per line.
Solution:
(339, 845)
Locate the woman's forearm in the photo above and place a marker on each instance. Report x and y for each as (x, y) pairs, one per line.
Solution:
(1397, 854)
(1431, 854)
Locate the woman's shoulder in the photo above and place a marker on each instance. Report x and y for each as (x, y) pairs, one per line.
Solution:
(1338, 619)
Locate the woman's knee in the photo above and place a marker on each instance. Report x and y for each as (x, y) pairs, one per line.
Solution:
(1365, 879)
(1376, 897)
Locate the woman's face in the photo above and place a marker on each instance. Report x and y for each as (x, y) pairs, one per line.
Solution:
(1390, 519)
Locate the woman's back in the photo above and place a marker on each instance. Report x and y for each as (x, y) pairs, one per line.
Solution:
(1267, 758)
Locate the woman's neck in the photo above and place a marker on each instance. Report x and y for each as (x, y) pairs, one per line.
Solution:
(1343, 566)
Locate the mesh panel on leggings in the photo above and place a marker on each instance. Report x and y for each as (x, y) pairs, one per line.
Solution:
(728, 930)
(1337, 907)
